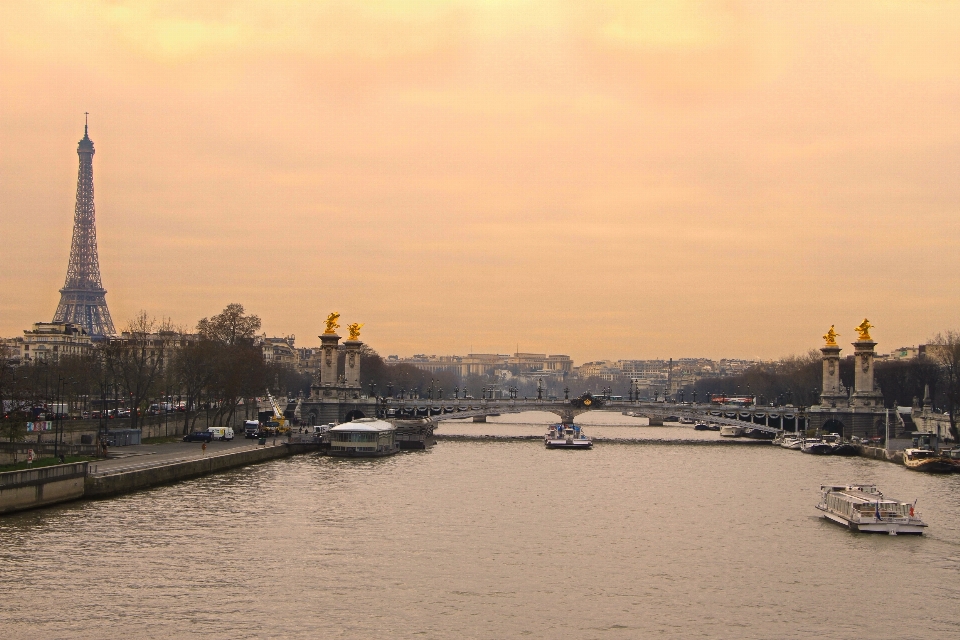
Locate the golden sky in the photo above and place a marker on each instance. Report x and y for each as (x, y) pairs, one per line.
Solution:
(603, 179)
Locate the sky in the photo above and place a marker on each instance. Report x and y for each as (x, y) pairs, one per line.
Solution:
(600, 179)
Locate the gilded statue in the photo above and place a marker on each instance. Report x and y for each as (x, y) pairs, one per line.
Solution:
(831, 337)
(864, 329)
(332, 323)
(354, 330)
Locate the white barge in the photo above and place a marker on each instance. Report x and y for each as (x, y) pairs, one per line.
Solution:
(864, 508)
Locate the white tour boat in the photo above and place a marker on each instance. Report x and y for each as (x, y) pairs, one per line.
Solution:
(731, 431)
(863, 508)
(566, 436)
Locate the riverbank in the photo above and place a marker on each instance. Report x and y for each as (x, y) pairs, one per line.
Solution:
(139, 468)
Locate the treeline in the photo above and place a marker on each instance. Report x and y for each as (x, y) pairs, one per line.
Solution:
(152, 362)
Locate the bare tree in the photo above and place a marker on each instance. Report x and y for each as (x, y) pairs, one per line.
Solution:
(238, 366)
(136, 360)
(196, 368)
(946, 351)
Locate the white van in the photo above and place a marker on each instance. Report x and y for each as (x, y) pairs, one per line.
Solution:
(221, 433)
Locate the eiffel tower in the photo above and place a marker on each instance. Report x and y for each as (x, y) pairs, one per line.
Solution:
(82, 298)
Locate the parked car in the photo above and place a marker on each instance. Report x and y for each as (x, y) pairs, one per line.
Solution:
(198, 436)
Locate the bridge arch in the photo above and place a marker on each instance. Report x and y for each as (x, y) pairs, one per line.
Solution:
(833, 426)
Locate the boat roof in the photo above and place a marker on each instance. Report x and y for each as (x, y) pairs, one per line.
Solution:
(859, 493)
(364, 424)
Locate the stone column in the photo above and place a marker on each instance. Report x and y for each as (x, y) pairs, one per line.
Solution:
(831, 394)
(864, 393)
(351, 366)
(328, 359)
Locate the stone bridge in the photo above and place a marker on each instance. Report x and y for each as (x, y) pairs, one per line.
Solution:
(764, 419)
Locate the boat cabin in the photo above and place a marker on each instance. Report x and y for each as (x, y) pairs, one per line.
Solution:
(862, 500)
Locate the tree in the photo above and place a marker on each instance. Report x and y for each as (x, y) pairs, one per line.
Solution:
(195, 368)
(230, 326)
(945, 350)
(793, 380)
(14, 430)
(234, 367)
(136, 360)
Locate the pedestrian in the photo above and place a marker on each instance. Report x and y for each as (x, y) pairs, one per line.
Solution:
(204, 448)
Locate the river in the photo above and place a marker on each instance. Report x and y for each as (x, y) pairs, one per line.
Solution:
(492, 539)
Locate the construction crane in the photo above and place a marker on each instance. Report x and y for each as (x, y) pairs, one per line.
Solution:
(277, 414)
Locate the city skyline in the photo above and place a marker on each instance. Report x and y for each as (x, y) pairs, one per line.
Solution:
(603, 181)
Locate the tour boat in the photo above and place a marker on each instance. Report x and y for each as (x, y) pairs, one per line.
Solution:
(731, 431)
(566, 436)
(864, 508)
(701, 426)
(927, 460)
(816, 446)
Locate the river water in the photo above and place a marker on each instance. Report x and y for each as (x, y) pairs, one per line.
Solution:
(492, 540)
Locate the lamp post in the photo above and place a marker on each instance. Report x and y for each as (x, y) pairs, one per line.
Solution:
(56, 418)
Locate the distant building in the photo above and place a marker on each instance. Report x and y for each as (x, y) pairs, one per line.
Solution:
(50, 341)
(484, 364)
(162, 344)
(308, 360)
(280, 350)
(11, 347)
(904, 353)
(603, 369)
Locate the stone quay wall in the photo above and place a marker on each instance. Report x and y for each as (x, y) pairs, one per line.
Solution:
(102, 486)
(32, 488)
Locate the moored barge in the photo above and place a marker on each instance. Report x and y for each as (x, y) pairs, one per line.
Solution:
(363, 438)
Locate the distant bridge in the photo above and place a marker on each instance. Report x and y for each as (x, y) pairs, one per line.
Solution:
(763, 419)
